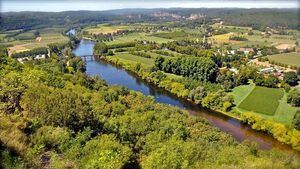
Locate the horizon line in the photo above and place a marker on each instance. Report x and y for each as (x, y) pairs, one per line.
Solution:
(106, 10)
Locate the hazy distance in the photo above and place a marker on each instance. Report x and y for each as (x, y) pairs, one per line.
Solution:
(99, 5)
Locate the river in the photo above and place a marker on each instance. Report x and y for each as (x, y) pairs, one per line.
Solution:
(118, 76)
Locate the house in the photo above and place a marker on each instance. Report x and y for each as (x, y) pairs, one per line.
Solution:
(231, 52)
(246, 51)
(267, 70)
(43, 56)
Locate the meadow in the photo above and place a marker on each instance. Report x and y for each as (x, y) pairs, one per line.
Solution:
(177, 35)
(292, 58)
(269, 103)
(129, 58)
(262, 100)
(105, 29)
(138, 36)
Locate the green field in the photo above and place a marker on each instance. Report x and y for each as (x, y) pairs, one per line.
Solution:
(129, 58)
(26, 41)
(269, 103)
(138, 36)
(262, 100)
(292, 59)
(176, 35)
(241, 92)
(105, 29)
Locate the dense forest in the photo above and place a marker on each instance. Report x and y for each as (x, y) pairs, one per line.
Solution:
(257, 18)
(54, 115)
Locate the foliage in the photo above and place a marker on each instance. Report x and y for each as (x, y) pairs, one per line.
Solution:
(296, 121)
(100, 48)
(290, 78)
(282, 133)
(31, 53)
(82, 123)
(238, 38)
(294, 97)
(202, 69)
(104, 152)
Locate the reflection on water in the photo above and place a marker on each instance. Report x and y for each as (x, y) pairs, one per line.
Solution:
(117, 76)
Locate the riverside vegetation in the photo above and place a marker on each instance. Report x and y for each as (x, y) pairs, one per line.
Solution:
(57, 118)
(197, 78)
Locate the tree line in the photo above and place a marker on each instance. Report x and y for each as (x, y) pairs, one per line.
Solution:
(55, 119)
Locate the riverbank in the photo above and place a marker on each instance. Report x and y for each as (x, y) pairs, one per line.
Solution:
(278, 131)
(144, 74)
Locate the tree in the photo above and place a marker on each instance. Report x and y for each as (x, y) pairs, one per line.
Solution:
(294, 97)
(271, 81)
(197, 94)
(36, 33)
(296, 121)
(290, 78)
(158, 62)
(104, 152)
(100, 48)
(259, 80)
(12, 88)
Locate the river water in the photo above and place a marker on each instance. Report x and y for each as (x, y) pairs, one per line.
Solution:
(117, 76)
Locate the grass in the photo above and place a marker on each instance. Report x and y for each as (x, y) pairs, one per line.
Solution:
(266, 102)
(241, 92)
(224, 38)
(285, 113)
(105, 29)
(292, 59)
(176, 35)
(129, 58)
(138, 36)
(262, 100)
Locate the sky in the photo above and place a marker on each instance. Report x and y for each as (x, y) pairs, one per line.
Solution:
(100, 5)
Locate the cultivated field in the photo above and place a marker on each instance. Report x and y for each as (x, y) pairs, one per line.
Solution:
(126, 57)
(262, 100)
(27, 40)
(256, 39)
(269, 103)
(138, 36)
(292, 59)
(105, 29)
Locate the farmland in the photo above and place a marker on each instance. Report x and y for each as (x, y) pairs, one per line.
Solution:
(149, 88)
(138, 36)
(129, 58)
(255, 39)
(27, 40)
(105, 29)
(262, 100)
(292, 58)
(267, 102)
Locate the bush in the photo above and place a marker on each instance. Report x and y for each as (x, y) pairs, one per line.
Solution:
(294, 97)
(290, 78)
(51, 137)
(31, 53)
(279, 131)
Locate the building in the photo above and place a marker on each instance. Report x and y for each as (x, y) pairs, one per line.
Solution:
(267, 70)
(246, 51)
